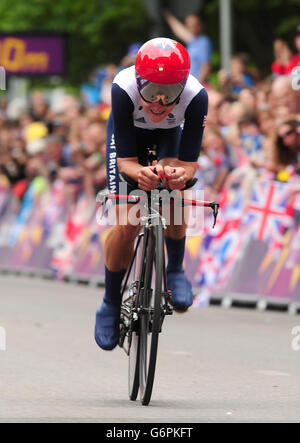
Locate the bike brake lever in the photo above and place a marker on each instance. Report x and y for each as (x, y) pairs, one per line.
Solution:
(102, 197)
(215, 207)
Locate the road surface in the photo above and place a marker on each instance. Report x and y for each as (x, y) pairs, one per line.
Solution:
(214, 365)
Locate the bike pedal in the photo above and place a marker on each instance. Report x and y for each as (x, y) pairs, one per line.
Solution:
(168, 310)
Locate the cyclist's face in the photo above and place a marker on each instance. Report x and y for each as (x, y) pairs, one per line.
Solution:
(157, 112)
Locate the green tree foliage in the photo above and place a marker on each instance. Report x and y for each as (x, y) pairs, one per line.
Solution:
(99, 31)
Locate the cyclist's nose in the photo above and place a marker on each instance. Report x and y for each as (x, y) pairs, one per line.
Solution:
(158, 106)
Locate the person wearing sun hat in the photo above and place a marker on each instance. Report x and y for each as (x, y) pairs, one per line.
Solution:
(35, 135)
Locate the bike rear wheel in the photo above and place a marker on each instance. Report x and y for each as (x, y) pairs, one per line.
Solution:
(152, 313)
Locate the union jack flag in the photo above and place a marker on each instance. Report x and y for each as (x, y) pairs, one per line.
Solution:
(269, 212)
(221, 244)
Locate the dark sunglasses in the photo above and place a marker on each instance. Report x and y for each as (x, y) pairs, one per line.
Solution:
(291, 131)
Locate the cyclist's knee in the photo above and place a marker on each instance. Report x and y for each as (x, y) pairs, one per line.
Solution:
(129, 232)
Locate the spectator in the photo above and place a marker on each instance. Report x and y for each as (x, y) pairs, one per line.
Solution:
(238, 78)
(225, 114)
(295, 61)
(213, 163)
(280, 155)
(38, 106)
(129, 58)
(247, 96)
(215, 99)
(35, 135)
(266, 123)
(282, 94)
(263, 93)
(105, 94)
(90, 91)
(251, 137)
(198, 44)
(53, 157)
(288, 141)
(251, 129)
(71, 110)
(264, 160)
(283, 56)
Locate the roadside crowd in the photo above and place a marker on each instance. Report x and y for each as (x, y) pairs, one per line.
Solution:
(253, 122)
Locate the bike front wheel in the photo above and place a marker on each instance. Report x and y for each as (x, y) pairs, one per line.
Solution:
(131, 324)
(152, 311)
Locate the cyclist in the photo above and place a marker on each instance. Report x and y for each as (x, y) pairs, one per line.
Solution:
(156, 102)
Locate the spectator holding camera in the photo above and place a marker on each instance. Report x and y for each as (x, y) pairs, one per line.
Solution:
(234, 81)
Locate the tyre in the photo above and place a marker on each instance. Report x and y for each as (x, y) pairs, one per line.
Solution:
(131, 293)
(151, 318)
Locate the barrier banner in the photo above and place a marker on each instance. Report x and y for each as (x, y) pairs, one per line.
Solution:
(220, 245)
(266, 270)
(245, 277)
(232, 258)
(46, 226)
(266, 223)
(8, 213)
(28, 54)
(89, 251)
(254, 248)
(22, 236)
(79, 215)
(284, 280)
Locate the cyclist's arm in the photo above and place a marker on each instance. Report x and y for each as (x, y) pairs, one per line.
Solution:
(192, 133)
(190, 143)
(124, 132)
(125, 141)
(130, 166)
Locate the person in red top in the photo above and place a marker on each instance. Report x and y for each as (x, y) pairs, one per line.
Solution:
(283, 57)
(295, 61)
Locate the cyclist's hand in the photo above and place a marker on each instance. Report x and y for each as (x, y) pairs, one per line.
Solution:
(149, 177)
(175, 177)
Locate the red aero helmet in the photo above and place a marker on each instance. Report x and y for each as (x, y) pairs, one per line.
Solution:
(163, 61)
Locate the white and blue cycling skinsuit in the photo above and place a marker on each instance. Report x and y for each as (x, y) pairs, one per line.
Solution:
(130, 131)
